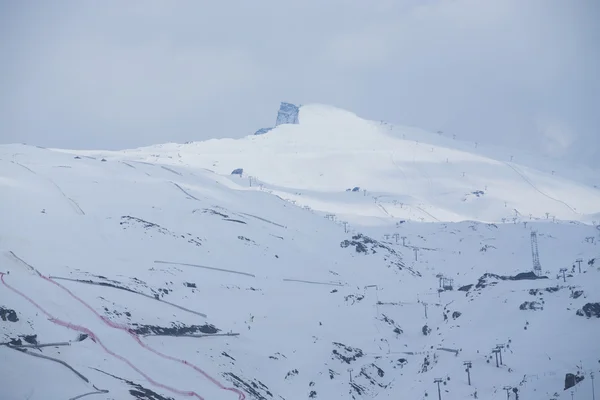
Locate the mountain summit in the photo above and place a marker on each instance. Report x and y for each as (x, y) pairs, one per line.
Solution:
(407, 173)
(288, 114)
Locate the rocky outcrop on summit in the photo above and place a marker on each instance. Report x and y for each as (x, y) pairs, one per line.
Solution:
(262, 131)
(288, 114)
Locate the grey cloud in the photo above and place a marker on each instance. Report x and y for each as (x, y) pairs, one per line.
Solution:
(116, 74)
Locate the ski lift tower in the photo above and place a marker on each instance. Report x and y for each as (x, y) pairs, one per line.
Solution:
(537, 267)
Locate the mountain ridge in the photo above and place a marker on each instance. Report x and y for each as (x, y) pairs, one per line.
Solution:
(330, 150)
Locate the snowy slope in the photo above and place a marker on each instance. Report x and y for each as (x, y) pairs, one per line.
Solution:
(152, 245)
(407, 173)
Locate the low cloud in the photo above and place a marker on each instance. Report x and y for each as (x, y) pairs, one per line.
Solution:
(556, 137)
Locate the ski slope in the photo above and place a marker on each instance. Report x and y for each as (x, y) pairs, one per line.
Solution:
(155, 274)
(412, 174)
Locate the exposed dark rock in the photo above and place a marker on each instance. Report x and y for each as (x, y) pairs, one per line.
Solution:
(572, 380)
(291, 374)
(288, 114)
(465, 288)
(456, 314)
(345, 353)
(255, 388)
(127, 221)
(175, 330)
(371, 369)
(485, 248)
(531, 305)
(8, 314)
(426, 364)
(391, 322)
(227, 355)
(357, 388)
(262, 131)
(354, 298)
(488, 278)
(576, 294)
(365, 245)
(138, 392)
(590, 310)
(31, 339)
(524, 276)
(276, 356)
(238, 171)
(426, 330)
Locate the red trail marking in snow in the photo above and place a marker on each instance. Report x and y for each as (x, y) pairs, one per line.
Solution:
(112, 324)
(124, 328)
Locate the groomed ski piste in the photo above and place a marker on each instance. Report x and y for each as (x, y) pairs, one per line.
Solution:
(349, 259)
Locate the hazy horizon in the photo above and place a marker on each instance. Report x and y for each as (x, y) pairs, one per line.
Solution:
(124, 75)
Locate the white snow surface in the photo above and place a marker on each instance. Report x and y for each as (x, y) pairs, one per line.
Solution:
(327, 290)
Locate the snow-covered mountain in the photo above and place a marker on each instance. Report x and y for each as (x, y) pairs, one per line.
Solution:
(347, 259)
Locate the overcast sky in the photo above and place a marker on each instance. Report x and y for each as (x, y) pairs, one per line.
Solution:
(122, 74)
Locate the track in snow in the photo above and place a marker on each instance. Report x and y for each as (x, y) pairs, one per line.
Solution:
(106, 284)
(56, 360)
(265, 220)
(382, 208)
(72, 202)
(205, 267)
(536, 188)
(129, 165)
(313, 282)
(171, 170)
(114, 325)
(185, 191)
(93, 336)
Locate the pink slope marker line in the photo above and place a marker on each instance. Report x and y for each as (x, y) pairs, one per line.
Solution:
(95, 338)
(241, 395)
